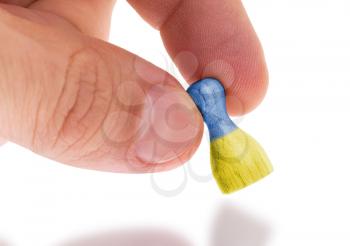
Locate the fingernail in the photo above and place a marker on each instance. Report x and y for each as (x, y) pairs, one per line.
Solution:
(175, 125)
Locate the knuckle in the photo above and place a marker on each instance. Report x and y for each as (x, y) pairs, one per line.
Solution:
(82, 105)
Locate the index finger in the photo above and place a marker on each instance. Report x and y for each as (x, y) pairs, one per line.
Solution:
(212, 39)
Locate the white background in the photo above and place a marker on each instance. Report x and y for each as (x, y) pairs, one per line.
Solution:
(303, 124)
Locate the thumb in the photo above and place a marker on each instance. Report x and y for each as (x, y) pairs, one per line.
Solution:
(84, 102)
(2, 141)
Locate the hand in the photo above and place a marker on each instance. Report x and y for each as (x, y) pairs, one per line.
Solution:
(67, 94)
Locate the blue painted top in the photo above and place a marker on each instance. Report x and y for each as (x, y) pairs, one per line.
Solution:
(209, 96)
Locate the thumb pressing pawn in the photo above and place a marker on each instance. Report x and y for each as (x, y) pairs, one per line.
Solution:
(237, 160)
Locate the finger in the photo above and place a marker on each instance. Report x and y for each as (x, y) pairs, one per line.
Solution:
(2, 141)
(212, 39)
(87, 103)
(92, 17)
(23, 3)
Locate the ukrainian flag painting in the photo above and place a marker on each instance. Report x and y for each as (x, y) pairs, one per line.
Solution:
(237, 160)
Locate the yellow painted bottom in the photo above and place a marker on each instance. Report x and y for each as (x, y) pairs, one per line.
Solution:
(238, 160)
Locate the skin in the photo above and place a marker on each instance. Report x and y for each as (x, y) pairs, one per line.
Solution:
(69, 95)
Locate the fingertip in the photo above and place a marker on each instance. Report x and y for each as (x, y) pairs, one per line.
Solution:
(217, 40)
(248, 91)
(212, 39)
(245, 80)
(177, 156)
(175, 131)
